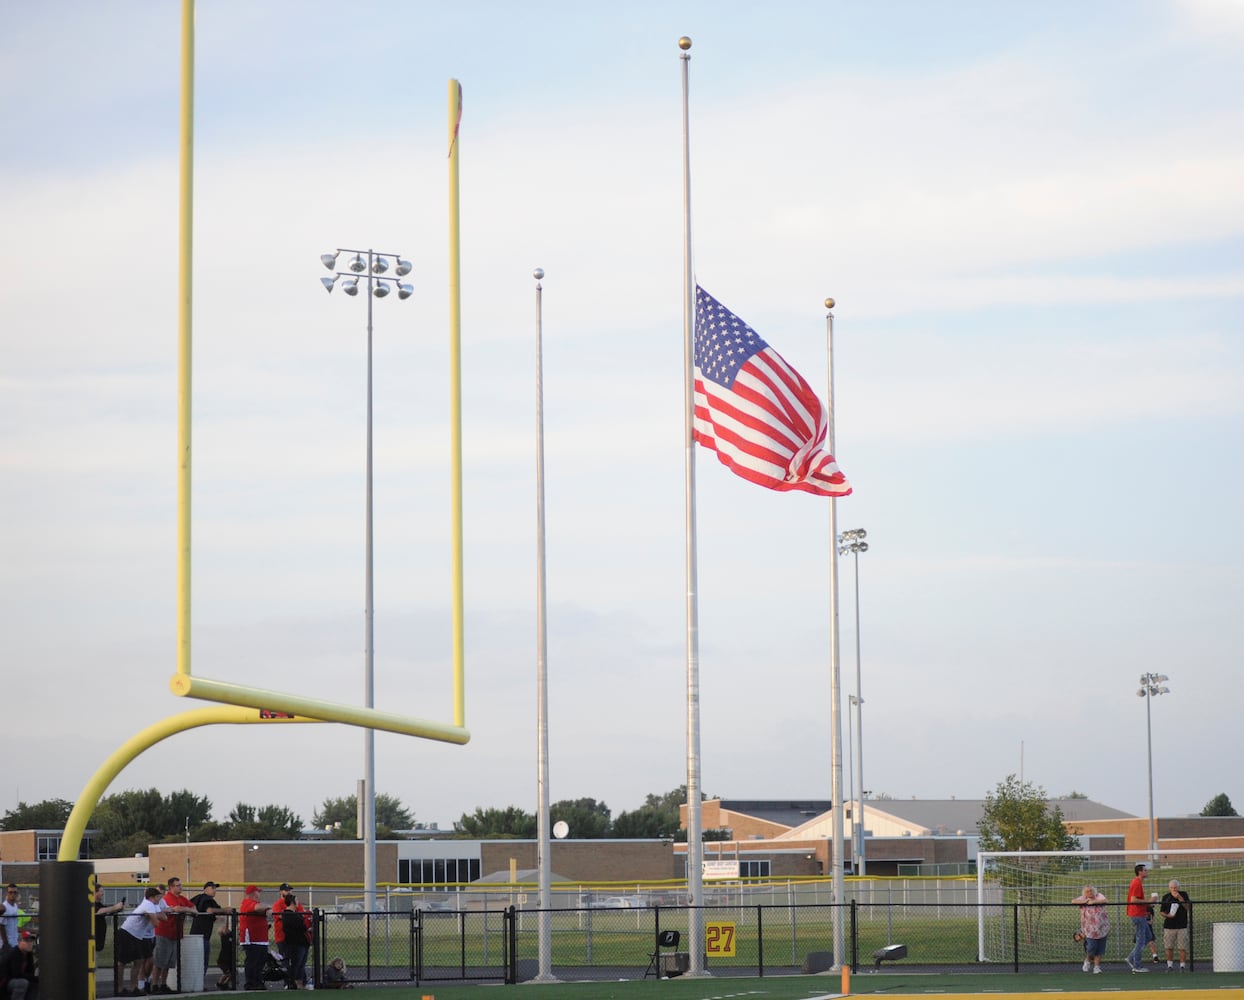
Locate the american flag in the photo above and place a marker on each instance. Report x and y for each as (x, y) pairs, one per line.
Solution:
(753, 409)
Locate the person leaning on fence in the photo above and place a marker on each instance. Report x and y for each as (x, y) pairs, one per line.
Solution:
(102, 913)
(1174, 908)
(204, 922)
(1094, 926)
(135, 942)
(253, 937)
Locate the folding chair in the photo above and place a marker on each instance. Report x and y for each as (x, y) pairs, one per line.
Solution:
(665, 939)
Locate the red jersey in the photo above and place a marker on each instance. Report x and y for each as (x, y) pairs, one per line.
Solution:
(171, 925)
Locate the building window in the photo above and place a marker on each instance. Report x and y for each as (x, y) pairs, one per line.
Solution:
(437, 871)
(47, 847)
(754, 869)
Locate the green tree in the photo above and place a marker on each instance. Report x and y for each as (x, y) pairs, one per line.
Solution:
(587, 818)
(128, 821)
(659, 816)
(1018, 817)
(493, 824)
(1219, 805)
(50, 814)
(391, 815)
(266, 823)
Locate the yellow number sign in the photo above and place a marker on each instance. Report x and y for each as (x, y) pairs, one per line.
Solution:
(719, 940)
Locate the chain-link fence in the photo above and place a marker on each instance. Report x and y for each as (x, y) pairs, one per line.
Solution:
(482, 936)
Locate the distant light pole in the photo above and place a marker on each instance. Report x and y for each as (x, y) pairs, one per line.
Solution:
(369, 265)
(1150, 686)
(852, 541)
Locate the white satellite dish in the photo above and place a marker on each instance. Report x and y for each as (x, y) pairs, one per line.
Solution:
(560, 829)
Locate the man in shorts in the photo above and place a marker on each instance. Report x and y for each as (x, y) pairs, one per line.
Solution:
(136, 942)
(1174, 908)
(168, 935)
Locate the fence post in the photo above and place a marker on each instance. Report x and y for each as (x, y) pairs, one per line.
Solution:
(855, 938)
(1015, 934)
(511, 945)
(760, 941)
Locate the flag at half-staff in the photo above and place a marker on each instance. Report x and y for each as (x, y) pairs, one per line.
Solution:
(761, 417)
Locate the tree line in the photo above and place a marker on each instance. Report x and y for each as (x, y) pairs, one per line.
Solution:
(127, 822)
(1015, 817)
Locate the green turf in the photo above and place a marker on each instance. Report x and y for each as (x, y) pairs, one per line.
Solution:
(805, 987)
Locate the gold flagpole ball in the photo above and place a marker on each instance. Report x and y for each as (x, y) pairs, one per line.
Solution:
(829, 303)
(684, 43)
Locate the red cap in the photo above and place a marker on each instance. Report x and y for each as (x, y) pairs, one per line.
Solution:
(251, 888)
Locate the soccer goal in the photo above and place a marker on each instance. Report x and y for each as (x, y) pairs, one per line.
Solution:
(1032, 889)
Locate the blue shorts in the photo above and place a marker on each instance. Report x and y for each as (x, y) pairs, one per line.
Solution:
(1094, 947)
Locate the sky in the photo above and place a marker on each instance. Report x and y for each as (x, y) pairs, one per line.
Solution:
(1031, 218)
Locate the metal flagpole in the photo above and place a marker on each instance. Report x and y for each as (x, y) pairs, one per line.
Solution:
(542, 696)
(835, 674)
(695, 845)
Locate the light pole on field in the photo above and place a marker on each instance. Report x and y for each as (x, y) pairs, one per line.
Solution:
(1151, 685)
(371, 267)
(852, 541)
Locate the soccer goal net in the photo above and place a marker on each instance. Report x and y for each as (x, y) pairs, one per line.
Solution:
(1024, 897)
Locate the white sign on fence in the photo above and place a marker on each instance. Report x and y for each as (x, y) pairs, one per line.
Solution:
(720, 869)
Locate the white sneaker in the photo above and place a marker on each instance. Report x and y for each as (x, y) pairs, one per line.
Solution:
(1097, 970)
(1087, 965)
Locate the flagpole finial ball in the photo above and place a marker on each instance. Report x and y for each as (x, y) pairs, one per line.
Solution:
(829, 303)
(538, 273)
(684, 43)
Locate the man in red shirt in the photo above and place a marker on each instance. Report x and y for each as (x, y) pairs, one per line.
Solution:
(168, 935)
(1138, 913)
(253, 937)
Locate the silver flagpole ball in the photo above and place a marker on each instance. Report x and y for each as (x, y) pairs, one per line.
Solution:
(684, 43)
(538, 273)
(829, 303)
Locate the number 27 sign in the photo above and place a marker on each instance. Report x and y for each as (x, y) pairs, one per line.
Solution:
(719, 940)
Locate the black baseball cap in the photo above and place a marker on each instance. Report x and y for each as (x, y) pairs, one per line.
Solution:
(211, 885)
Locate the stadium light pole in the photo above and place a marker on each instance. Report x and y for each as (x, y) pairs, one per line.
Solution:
(852, 541)
(1151, 685)
(371, 266)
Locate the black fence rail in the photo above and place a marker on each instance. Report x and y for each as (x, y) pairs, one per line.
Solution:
(504, 944)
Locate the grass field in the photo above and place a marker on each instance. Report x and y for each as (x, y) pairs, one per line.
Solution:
(1195, 986)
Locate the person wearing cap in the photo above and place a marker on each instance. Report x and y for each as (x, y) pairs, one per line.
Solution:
(278, 928)
(1138, 911)
(253, 937)
(19, 968)
(206, 912)
(295, 926)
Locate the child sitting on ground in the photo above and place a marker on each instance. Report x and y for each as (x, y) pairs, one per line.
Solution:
(335, 976)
